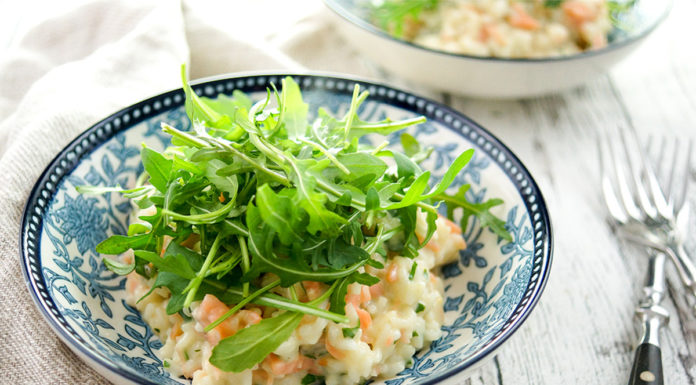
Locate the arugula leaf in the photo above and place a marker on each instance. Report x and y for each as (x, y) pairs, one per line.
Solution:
(117, 244)
(157, 167)
(277, 212)
(176, 264)
(410, 144)
(252, 344)
(294, 110)
(480, 210)
(118, 267)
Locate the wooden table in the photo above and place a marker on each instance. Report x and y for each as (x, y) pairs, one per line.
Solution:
(583, 330)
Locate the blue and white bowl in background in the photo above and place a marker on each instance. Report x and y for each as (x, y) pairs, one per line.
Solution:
(490, 290)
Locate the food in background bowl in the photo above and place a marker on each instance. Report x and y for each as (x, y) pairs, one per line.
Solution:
(499, 28)
(512, 62)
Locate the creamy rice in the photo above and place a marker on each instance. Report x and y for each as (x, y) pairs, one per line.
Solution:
(398, 316)
(513, 29)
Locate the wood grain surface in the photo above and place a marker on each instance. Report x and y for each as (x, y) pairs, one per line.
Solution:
(583, 330)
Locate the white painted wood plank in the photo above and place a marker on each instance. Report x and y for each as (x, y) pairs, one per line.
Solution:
(583, 330)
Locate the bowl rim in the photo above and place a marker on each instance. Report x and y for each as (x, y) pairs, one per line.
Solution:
(339, 10)
(44, 189)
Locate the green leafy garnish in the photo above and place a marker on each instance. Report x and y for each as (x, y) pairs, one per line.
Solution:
(257, 190)
(350, 332)
(391, 15)
(251, 345)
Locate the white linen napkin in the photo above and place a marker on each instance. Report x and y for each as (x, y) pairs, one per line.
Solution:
(75, 69)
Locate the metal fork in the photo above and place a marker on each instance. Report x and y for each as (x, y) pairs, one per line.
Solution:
(645, 213)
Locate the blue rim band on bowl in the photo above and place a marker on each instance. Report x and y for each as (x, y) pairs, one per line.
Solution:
(45, 188)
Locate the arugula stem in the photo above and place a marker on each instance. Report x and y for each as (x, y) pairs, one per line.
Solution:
(196, 282)
(267, 149)
(327, 154)
(293, 293)
(350, 115)
(209, 217)
(245, 263)
(276, 176)
(241, 304)
(390, 125)
(216, 142)
(278, 302)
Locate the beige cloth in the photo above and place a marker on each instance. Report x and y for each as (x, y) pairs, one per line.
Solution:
(69, 72)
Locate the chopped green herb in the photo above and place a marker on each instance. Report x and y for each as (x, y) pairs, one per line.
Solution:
(350, 332)
(165, 363)
(552, 3)
(412, 273)
(420, 307)
(310, 379)
(415, 334)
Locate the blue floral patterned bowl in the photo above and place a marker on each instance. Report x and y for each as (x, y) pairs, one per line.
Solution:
(490, 291)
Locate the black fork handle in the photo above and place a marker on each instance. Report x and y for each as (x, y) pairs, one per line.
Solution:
(647, 366)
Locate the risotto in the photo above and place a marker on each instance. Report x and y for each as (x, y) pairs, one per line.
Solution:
(512, 29)
(388, 323)
(268, 249)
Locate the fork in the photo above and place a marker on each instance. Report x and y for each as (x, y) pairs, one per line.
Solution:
(651, 216)
(643, 211)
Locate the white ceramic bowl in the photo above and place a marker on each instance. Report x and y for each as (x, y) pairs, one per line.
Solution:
(489, 77)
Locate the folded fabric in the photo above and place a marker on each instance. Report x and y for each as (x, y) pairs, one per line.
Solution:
(71, 71)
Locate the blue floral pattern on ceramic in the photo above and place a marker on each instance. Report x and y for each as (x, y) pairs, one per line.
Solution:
(489, 291)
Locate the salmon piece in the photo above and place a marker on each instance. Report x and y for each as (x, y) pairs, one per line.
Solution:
(212, 308)
(166, 240)
(578, 12)
(491, 31)
(313, 289)
(519, 18)
(392, 273)
(132, 282)
(454, 228)
(278, 367)
(353, 299)
(377, 290)
(365, 295)
(176, 331)
(433, 278)
(433, 246)
(365, 319)
(191, 240)
(335, 352)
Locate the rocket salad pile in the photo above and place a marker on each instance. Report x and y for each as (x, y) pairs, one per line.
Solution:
(258, 188)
